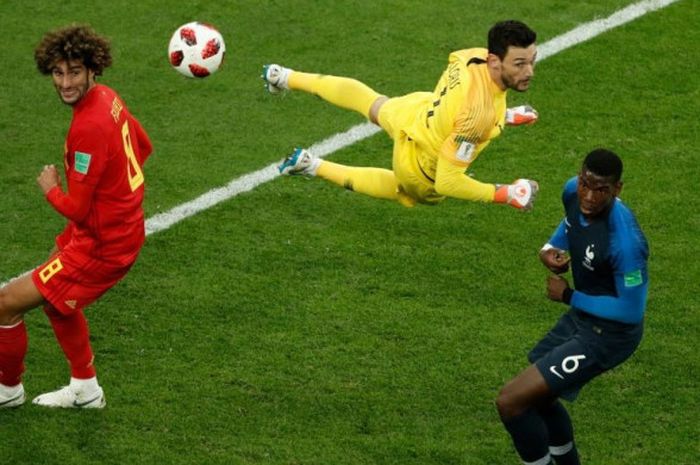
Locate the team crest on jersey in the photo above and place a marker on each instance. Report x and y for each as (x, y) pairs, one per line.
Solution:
(71, 303)
(589, 257)
(82, 162)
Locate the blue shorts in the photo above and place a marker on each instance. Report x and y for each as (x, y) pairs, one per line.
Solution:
(579, 348)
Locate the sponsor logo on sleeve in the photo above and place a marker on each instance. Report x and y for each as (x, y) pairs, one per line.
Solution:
(633, 278)
(465, 152)
(82, 162)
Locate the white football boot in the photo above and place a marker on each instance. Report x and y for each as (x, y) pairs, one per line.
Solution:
(11, 396)
(275, 77)
(78, 394)
(301, 161)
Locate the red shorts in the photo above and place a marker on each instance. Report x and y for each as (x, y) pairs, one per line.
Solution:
(71, 281)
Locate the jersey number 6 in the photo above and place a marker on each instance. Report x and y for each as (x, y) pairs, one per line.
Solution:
(569, 365)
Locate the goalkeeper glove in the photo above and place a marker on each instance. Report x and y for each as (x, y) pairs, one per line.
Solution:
(521, 194)
(523, 114)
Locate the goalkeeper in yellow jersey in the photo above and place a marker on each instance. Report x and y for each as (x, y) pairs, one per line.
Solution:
(438, 134)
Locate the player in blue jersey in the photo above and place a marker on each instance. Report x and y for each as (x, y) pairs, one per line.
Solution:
(600, 240)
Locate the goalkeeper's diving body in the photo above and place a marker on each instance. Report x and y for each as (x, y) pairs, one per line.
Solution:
(437, 135)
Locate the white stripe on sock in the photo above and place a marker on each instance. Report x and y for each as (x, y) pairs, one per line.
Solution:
(561, 450)
(546, 460)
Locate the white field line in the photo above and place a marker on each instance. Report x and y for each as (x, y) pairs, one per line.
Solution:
(245, 183)
(250, 181)
(591, 29)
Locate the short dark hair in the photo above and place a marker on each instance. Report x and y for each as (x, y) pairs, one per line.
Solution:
(603, 162)
(509, 33)
(74, 42)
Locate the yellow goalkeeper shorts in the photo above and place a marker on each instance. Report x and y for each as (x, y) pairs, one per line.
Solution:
(414, 185)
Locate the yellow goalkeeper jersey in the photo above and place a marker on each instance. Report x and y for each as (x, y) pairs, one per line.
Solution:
(465, 111)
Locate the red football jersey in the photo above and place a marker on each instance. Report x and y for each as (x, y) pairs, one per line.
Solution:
(106, 148)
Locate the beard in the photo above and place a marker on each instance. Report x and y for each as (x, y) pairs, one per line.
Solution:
(518, 86)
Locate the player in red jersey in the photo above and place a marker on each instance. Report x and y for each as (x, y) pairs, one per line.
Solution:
(105, 150)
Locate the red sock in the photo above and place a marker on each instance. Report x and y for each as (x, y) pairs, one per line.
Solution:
(13, 348)
(74, 338)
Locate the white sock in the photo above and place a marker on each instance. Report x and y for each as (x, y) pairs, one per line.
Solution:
(283, 81)
(314, 166)
(84, 385)
(9, 391)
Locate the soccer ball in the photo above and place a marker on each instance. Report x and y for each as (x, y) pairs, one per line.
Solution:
(196, 49)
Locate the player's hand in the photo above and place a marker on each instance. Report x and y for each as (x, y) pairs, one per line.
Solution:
(556, 260)
(521, 194)
(556, 285)
(523, 114)
(48, 178)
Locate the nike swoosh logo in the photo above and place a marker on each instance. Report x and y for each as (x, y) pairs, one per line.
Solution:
(83, 404)
(11, 400)
(553, 369)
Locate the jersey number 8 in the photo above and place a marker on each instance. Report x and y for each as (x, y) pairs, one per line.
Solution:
(133, 170)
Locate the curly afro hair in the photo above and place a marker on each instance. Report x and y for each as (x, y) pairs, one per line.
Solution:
(75, 42)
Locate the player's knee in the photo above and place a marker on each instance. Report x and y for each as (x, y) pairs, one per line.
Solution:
(507, 405)
(8, 316)
(4, 300)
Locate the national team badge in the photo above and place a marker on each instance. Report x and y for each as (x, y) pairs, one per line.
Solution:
(589, 257)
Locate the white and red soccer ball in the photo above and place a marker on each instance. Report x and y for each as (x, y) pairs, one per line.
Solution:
(196, 49)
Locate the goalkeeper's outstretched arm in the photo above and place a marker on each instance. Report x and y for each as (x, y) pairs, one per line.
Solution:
(451, 181)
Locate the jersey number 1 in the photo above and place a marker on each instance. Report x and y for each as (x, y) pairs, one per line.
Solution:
(133, 170)
(431, 113)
